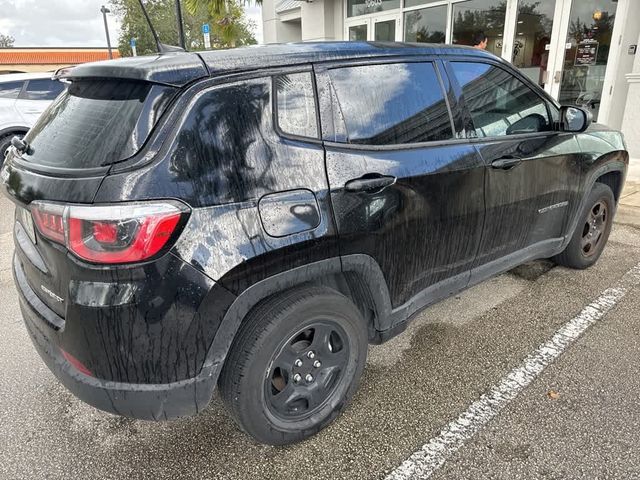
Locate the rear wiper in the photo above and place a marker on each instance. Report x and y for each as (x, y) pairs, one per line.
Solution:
(21, 146)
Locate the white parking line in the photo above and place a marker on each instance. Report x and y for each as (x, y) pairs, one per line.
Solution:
(423, 463)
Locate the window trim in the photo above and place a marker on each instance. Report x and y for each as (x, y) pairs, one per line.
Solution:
(548, 101)
(435, 61)
(274, 108)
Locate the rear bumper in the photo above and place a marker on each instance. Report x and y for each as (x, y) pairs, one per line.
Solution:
(142, 401)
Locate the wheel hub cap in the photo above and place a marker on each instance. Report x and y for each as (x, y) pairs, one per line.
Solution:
(305, 371)
(594, 228)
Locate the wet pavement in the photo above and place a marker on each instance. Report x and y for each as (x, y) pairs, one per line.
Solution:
(578, 419)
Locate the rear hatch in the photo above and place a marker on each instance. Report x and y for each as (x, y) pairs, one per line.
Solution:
(96, 123)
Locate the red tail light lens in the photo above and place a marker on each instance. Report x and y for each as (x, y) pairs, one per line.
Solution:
(49, 219)
(123, 233)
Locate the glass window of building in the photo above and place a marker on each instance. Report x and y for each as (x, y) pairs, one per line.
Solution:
(358, 33)
(384, 31)
(474, 16)
(533, 39)
(590, 29)
(363, 7)
(427, 25)
(415, 3)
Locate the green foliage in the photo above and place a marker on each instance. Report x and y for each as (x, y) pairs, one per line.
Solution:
(232, 29)
(215, 7)
(6, 41)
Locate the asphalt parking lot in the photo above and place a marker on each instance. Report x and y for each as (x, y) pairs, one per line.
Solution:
(576, 418)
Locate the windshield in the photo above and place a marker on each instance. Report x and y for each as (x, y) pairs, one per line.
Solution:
(96, 123)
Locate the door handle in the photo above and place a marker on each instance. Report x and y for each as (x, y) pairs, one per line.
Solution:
(371, 182)
(507, 162)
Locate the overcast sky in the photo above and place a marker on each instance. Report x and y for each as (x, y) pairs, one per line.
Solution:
(67, 23)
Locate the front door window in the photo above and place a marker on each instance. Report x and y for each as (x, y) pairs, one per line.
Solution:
(590, 29)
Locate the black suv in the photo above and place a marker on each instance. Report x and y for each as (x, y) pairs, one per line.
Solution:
(252, 219)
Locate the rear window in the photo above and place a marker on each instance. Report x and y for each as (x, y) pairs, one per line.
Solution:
(96, 123)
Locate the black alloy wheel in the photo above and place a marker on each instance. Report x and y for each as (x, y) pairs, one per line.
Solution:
(594, 228)
(305, 371)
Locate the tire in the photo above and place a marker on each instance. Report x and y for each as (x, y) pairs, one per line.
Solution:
(262, 364)
(592, 232)
(5, 143)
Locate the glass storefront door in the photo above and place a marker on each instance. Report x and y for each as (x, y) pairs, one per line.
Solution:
(473, 16)
(386, 28)
(585, 62)
(532, 42)
(359, 33)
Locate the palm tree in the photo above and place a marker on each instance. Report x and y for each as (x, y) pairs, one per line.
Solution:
(224, 12)
(215, 7)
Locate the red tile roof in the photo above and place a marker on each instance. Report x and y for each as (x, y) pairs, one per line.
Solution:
(18, 56)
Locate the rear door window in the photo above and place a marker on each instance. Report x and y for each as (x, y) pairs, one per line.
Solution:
(42, 89)
(95, 123)
(296, 105)
(500, 103)
(392, 104)
(10, 89)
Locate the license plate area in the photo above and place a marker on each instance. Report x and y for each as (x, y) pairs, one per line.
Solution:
(26, 220)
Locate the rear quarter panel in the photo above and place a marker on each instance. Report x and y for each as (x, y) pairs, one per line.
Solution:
(221, 155)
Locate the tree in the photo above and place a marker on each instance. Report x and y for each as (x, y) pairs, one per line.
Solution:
(163, 16)
(6, 41)
(215, 7)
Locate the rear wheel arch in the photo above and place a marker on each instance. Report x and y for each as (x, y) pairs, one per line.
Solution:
(359, 281)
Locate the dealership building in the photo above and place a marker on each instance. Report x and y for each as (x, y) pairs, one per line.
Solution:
(582, 52)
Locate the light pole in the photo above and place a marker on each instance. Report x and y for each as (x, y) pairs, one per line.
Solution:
(104, 11)
(180, 26)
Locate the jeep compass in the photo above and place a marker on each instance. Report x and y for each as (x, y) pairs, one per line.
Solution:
(245, 222)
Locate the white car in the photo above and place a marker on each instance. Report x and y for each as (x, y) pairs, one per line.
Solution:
(23, 98)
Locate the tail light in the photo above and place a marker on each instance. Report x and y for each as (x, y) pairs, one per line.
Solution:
(122, 233)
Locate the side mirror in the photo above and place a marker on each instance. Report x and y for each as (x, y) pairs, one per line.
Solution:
(575, 119)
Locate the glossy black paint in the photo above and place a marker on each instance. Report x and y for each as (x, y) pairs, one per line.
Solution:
(271, 211)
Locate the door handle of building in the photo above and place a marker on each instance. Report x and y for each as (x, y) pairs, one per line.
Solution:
(371, 182)
(506, 163)
(558, 76)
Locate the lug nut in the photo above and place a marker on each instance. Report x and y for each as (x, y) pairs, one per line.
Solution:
(311, 354)
(317, 364)
(298, 363)
(309, 378)
(297, 377)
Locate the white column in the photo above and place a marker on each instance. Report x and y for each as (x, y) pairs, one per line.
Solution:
(269, 21)
(631, 119)
(620, 63)
(318, 20)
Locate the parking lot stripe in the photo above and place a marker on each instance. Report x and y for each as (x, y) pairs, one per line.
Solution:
(433, 454)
